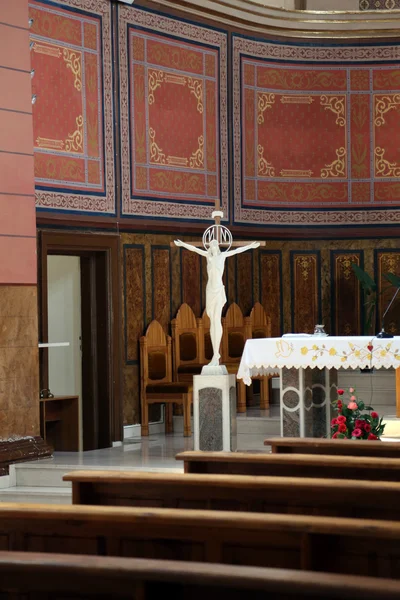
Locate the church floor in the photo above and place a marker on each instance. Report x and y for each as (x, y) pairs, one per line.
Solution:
(42, 481)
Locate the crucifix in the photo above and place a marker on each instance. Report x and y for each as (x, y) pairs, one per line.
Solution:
(215, 237)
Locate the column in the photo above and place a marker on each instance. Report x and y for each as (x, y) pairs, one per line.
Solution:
(306, 397)
(19, 381)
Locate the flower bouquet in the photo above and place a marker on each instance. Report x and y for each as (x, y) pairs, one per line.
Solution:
(353, 421)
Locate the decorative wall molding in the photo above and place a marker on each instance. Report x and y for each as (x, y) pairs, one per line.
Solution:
(379, 4)
(73, 119)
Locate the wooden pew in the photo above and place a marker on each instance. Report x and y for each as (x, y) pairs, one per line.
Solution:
(335, 447)
(50, 576)
(336, 545)
(294, 465)
(330, 497)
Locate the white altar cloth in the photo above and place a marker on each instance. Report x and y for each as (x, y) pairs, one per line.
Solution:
(266, 356)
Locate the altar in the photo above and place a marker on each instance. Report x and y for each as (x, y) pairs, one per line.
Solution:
(307, 365)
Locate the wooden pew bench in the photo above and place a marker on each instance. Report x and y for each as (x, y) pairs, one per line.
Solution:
(293, 465)
(328, 497)
(335, 447)
(50, 576)
(348, 546)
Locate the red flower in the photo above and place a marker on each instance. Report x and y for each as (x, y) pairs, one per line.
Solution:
(336, 435)
(334, 422)
(372, 436)
(356, 433)
(360, 424)
(341, 419)
(342, 428)
(367, 427)
(340, 392)
(374, 415)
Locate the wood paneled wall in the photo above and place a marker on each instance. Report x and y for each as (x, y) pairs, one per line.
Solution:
(298, 283)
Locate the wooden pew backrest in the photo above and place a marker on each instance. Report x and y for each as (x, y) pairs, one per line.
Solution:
(327, 497)
(334, 447)
(53, 575)
(294, 465)
(348, 546)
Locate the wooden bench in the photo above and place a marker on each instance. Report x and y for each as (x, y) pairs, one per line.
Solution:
(294, 465)
(55, 575)
(336, 447)
(348, 546)
(330, 497)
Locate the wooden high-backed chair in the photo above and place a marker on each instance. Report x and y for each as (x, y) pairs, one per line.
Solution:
(206, 349)
(156, 384)
(186, 333)
(233, 340)
(258, 325)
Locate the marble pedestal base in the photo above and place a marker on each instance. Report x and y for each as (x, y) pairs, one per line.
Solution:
(306, 396)
(214, 413)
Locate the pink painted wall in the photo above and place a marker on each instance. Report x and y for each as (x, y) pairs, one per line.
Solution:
(17, 199)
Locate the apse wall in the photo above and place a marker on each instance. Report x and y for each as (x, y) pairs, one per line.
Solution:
(146, 117)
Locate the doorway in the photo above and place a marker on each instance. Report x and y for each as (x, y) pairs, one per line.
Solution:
(84, 270)
(64, 303)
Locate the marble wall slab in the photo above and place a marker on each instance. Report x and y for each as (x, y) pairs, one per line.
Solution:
(19, 366)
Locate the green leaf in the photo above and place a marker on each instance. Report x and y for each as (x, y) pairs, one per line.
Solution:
(361, 405)
(394, 279)
(366, 281)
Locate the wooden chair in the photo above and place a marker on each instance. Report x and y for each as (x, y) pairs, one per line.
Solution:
(258, 325)
(233, 340)
(206, 349)
(186, 344)
(283, 495)
(156, 383)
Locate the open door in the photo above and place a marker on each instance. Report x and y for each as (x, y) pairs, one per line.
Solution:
(100, 349)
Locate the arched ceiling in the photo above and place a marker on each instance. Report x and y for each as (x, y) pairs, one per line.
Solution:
(261, 17)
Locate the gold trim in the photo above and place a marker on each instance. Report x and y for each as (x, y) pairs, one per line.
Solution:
(383, 105)
(47, 49)
(155, 79)
(335, 104)
(74, 141)
(156, 154)
(177, 161)
(337, 167)
(265, 168)
(196, 160)
(297, 100)
(295, 173)
(383, 167)
(265, 101)
(73, 62)
(196, 88)
(49, 143)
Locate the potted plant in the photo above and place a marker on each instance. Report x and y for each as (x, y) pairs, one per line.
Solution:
(355, 420)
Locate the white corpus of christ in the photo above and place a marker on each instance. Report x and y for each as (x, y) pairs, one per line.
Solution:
(215, 290)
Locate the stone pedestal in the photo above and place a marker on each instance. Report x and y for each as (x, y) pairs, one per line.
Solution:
(214, 413)
(306, 396)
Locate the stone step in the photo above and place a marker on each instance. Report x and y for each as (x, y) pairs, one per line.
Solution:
(37, 495)
(39, 475)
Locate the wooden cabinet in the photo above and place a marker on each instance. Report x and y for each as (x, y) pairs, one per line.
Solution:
(59, 422)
